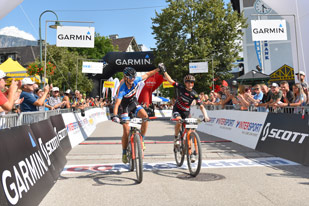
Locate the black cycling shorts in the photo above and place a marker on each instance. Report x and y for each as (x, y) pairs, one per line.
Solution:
(134, 107)
(177, 112)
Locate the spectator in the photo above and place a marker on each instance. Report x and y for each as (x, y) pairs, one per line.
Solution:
(31, 100)
(276, 95)
(266, 98)
(226, 97)
(301, 77)
(7, 102)
(287, 96)
(242, 98)
(55, 100)
(46, 107)
(67, 98)
(257, 98)
(299, 97)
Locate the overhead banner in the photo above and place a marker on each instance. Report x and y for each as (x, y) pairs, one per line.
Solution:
(93, 67)
(74, 36)
(268, 30)
(198, 67)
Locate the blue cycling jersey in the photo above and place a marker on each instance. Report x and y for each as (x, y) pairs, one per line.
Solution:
(128, 95)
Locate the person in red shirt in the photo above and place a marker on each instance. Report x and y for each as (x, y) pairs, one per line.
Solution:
(7, 101)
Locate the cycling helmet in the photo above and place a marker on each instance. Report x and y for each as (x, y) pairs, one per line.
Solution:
(129, 72)
(189, 78)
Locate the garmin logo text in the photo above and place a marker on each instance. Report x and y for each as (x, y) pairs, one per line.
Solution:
(132, 61)
(269, 31)
(283, 135)
(74, 37)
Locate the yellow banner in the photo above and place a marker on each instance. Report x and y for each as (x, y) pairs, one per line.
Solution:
(166, 84)
(108, 84)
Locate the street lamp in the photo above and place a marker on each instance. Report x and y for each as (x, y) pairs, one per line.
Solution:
(40, 36)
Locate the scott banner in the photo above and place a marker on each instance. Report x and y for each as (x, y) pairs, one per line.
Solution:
(62, 133)
(287, 136)
(25, 178)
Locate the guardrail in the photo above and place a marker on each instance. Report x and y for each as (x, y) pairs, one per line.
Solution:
(14, 120)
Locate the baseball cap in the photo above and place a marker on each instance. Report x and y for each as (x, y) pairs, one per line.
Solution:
(68, 91)
(26, 81)
(3, 75)
(301, 73)
(274, 85)
(55, 89)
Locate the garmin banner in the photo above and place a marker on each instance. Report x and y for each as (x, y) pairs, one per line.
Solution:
(25, 177)
(268, 30)
(50, 142)
(62, 133)
(75, 36)
(287, 136)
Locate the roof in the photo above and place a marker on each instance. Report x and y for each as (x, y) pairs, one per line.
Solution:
(25, 54)
(124, 43)
(253, 75)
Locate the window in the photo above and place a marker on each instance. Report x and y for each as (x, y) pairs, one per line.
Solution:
(12, 56)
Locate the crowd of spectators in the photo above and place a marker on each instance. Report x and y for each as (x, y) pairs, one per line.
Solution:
(260, 97)
(26, 96)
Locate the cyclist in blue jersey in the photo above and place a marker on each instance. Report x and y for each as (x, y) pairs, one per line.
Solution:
(127, 100)
(185, 97)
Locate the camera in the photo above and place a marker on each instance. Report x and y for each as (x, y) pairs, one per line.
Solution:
(82, 112)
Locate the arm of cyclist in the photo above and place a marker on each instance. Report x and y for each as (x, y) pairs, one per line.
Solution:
(149, 74)
(115, 118)
(165, 74)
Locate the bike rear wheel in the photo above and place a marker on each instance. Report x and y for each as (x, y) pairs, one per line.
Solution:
(138, 161)
(179, 150)
(194, 154)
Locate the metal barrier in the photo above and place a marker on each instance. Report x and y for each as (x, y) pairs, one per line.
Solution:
(9, 120)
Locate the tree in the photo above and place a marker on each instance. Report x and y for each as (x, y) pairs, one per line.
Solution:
(65, 73)
(196, 30)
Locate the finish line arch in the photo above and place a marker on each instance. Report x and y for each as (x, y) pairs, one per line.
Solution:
(116, 61)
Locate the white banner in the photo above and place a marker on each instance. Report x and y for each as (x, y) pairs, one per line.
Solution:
(73, 36)
(268, 30)
(93, 67)
(198, 67)
(238, 126)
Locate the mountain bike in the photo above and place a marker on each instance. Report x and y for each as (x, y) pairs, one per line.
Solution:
(189, 145)
(135, 148)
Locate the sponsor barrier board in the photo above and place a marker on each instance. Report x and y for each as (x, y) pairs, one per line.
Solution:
(238, 126)
(287, 136)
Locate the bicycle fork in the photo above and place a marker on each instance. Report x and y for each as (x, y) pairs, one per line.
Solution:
(189, 144)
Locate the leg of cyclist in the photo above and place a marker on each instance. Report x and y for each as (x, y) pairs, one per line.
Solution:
(124, 140)
(141, 113)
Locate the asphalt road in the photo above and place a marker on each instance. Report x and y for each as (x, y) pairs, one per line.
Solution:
(231, 174)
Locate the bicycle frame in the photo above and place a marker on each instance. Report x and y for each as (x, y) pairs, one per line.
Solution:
(188, 131)
(133, 131)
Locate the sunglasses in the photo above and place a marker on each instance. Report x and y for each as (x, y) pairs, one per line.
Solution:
(190, 82)
(130, 77)
(255, 88)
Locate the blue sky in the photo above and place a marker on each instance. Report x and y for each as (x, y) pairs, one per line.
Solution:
(125, 22)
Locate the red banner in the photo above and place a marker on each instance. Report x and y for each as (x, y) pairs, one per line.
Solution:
(151, 84)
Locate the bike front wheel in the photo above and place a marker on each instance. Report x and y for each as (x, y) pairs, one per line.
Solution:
(138, 160)
(194, 153)
(179, 150)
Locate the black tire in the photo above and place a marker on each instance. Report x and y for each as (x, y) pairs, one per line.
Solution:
(196, 148)
(129, 154)
(179, 151)
(138, 161)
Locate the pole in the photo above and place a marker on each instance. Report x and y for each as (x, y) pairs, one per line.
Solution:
(45, 53)
(213, 73)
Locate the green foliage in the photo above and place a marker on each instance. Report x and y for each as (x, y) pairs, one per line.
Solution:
(118, 75)
(200, 30)
(65, 73)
